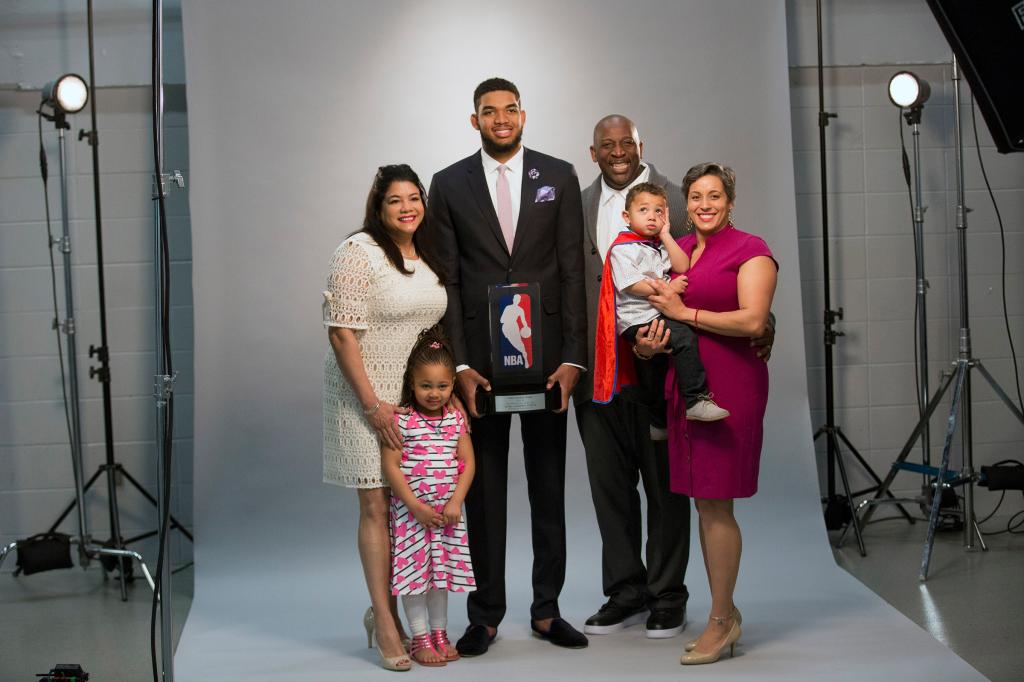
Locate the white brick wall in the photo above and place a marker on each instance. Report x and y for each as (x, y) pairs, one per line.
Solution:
(35, 469)
(872, 263)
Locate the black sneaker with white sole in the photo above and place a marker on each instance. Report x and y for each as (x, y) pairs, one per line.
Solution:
(665, 623)
(613, 618)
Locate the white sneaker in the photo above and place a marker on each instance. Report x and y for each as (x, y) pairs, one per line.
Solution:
(706, 410)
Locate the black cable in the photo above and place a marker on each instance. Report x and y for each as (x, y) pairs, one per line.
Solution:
(917, 250)
(44, 171)
(1002, 244)
(164, 263)
(1011, 527)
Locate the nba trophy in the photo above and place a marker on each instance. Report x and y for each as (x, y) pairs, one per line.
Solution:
(517, 367)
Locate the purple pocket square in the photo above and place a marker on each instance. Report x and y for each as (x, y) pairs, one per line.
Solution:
(545, 193)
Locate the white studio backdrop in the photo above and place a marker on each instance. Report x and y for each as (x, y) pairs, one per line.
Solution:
(292, 107)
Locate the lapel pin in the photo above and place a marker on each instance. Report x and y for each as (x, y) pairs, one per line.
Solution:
(533, 173)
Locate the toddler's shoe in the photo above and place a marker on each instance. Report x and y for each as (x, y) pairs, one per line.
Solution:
(706, 410)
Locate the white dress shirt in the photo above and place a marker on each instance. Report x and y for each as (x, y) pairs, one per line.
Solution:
(609, 212)
(514, 173)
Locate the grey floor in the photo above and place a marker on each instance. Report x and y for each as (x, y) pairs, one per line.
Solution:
(971, 603)
(76, 616)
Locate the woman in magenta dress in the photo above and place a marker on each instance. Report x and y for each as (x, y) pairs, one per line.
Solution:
(731, 283)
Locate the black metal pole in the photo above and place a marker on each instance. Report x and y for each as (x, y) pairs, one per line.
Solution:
(102, 353)
(830, 335)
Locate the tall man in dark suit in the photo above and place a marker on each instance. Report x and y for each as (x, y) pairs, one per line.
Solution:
(617, 436)
(507, 214)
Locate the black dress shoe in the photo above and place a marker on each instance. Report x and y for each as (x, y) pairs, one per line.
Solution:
(613, 618)
(475, 641)
(665, 623)
(561, 634)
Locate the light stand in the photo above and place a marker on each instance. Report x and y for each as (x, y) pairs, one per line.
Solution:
(74, 92)
(909, 93)
(961, 377)
(913, 118)
(165, 376)
(68, 95)
(838, 509)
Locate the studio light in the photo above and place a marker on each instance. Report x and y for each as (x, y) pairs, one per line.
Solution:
(908, 91)
(69, 93)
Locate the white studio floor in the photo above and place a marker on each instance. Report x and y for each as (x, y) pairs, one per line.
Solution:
(804, 619)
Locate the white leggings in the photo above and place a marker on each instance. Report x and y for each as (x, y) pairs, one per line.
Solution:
(432, 606)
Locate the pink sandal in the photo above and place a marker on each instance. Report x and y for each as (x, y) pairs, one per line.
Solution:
(424, 643)
(443, 645)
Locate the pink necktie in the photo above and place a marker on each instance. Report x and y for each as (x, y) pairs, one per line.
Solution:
(505, 208)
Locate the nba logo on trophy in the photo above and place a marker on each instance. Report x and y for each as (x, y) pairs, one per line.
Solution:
(516, 331)
(518, 383)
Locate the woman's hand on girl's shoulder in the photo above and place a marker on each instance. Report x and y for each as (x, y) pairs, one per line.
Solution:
(383, 422)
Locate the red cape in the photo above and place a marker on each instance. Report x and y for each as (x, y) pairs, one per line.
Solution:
(611, 376)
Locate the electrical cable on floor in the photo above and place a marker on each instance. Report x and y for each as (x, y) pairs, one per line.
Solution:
(45, 174)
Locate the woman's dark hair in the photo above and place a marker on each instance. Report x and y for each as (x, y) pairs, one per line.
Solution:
(374, 226)
(432, 347)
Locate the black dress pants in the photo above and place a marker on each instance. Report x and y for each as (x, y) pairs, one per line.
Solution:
(690, 375)
(620, 454)
(543, 436)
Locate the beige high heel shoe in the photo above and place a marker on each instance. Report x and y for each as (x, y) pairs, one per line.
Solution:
(692, 644)
(698, 658)
(401, 663)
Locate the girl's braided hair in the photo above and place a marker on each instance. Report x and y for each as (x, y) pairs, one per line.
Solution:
(432, 347)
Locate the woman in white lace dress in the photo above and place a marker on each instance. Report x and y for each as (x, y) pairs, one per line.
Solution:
(384, 287)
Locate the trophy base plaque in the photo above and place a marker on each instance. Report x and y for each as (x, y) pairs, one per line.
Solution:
(508, 401)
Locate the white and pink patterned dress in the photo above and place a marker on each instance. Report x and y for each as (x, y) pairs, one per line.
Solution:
(424, 558)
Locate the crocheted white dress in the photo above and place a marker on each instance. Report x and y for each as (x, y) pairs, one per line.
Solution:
(387, 310)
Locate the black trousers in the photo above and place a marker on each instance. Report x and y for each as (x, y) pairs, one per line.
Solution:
(543, 436)
(692, 380)
(620, 454)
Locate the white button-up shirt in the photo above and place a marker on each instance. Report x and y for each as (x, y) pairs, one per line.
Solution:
(610, 208)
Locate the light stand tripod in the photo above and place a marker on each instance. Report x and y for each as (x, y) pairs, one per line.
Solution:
(86, 549)
(110, 468)
(838, 509)
(961, 403)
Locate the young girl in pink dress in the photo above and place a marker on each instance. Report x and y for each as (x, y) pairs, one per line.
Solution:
(429, 479)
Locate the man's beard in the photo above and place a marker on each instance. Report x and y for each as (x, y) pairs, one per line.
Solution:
(495, 148)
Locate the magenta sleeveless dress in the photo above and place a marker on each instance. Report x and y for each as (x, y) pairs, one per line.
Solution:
(720, 460)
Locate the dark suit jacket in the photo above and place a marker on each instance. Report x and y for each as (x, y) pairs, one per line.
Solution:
(594, 264)
(548, 249)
